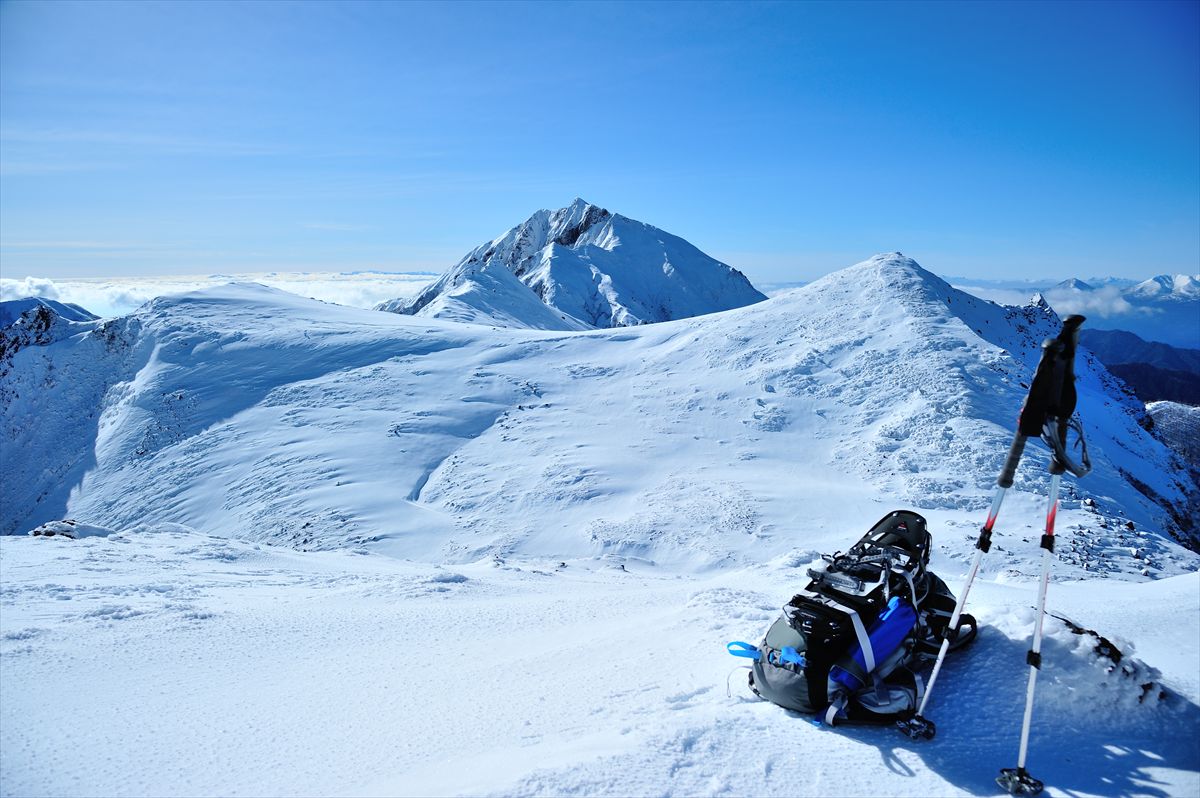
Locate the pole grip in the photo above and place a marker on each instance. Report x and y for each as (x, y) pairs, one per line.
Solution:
(1005, 480)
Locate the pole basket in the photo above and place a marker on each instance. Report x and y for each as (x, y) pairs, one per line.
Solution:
(1016, 781)
(917, 728)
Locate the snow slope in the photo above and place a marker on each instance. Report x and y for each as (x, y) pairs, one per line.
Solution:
(1154, 371)
(1179, 427)
(589, 268)
(367, 553)
(256, 414)
(160, 661)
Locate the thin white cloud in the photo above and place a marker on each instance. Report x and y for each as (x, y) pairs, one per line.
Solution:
(1104, 302)
(1001, 296)
(16, 168)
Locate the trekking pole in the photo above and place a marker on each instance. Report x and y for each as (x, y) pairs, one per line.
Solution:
(1017, 781)
(1032, 422)
(918, 726)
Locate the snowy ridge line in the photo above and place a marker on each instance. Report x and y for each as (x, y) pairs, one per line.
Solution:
(12, 310)
(252, 413)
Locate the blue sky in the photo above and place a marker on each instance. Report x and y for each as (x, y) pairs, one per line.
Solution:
(1019, 140)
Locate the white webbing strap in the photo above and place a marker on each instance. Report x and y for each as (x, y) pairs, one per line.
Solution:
(864, 640)
(912, 591)
(836, 706)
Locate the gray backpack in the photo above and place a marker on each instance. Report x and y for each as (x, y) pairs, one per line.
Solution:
(850, 645)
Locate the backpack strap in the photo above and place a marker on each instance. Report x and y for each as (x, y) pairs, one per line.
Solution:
(864, 643)
(912, 591)
(864, 640)
(836, 707)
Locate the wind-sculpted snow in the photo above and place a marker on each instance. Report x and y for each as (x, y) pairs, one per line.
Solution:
(581, 267)
(251, 413)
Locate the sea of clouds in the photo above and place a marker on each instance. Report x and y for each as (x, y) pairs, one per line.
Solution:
(1105, 301)
(117, 296)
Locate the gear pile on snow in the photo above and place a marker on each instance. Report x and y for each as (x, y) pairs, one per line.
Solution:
(850, 645)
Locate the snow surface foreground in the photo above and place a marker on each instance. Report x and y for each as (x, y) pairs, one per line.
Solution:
(160, 661)
(531, 547)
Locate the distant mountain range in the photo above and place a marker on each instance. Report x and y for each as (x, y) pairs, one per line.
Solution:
(577, 268)
(1179, 287)
(1154, 370)
(1165, 308)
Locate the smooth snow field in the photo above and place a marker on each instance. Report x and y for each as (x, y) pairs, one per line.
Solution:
(343, 552)
(162, 662)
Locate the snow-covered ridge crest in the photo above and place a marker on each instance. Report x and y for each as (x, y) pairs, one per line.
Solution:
(919, 364)
(38, 322)
(11, 310)
(253, 413)
(587, 268)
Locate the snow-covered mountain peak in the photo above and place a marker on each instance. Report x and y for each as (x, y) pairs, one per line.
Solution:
(586, 267)
(898, 259)
(1167, 286)
(35, 321)
(568, 224)
(891, 277)
(892, 267)
(894, 280)
(13, 309)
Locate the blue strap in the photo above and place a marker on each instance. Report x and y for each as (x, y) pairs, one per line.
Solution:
(740, 649)
(791, 656)
(788, 655)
